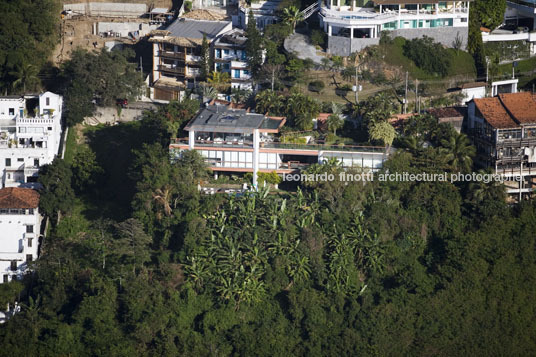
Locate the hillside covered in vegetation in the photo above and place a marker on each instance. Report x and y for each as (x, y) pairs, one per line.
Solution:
(385, 268)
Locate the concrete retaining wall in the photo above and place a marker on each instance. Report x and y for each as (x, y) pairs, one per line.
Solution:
(443, 35)
(124, 28)
(344, 46)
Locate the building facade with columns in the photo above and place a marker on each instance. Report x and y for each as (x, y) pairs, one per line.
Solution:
(352, 25)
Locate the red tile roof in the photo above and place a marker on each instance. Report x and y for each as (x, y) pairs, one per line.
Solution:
(521, 106)
(508, 110)
(18, 198)
(494, 113)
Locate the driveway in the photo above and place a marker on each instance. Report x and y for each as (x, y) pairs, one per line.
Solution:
(300, 45)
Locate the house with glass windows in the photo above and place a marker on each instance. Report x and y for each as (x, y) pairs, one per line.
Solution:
(503, 129)
(177, 55)
(239, 141)
(352, 25)
(230, 56)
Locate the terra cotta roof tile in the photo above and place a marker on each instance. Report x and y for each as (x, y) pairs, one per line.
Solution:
(18, 198)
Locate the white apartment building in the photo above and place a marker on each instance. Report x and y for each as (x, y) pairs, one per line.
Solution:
(352, 25)
(230, 56)
(30, 134)
(20, 224)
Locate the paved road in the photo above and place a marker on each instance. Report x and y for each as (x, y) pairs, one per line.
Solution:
(300, 45)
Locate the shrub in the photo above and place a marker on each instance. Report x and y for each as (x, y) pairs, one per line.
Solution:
(316, 86)
(385, 38)
(428, 55)
(318, 38)
(187, 6)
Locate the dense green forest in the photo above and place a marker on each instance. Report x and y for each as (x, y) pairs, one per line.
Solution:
(142, 264)
(29, 31)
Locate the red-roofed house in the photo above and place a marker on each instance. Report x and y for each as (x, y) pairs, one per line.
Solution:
(20, 224)
(504, 131)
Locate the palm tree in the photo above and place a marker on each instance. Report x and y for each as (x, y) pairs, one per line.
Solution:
(459, 152)
(335, 120)
(208, 92)
(268, 101)
(384, 132)
(219, 80)
(239, 95)
(26, 76)
(292, 15)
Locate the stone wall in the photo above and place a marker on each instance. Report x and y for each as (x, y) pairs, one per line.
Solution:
(344, 46)
(443, 35)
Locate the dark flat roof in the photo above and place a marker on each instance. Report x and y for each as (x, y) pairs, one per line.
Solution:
(189, 28)
(221, 119)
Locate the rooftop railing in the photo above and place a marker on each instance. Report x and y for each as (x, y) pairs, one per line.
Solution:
(285, 146)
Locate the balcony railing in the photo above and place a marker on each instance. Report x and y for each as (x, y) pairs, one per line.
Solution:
(174, 70)
(176, 55)
(285, 146)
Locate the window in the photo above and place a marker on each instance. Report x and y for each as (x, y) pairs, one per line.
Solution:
(236, 73)
(246, 72)
(6, 278)
(22, 130)
(49, 128)
(20, 159)
(218, 53)
(47, 101)
(13, 265)
(244, 55)
(8, 162)
(225, 52)
(11, 111)
(464, 19)
(29, 258)
(30, 242)
(29, 228)
(31, 211)
(36, 162)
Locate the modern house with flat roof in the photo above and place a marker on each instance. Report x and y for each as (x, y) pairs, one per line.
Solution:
(236, 140)
(177, 54)
(503, 129)
(20, 224)
(352, 25)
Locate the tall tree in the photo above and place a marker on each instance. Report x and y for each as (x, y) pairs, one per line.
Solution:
(254, 47)
(206, 59)
(57, 195)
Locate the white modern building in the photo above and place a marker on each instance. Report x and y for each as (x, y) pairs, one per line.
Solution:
(352, 25)
(264, 13)
(20, 224)
(230, 56)
(236, 140)
(30, 135)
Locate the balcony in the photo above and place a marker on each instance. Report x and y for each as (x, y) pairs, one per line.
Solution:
(239, 65)
(281, 146)
(173, 70)
(175, 55)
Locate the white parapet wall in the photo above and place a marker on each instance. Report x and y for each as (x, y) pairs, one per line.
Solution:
(107, 9)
